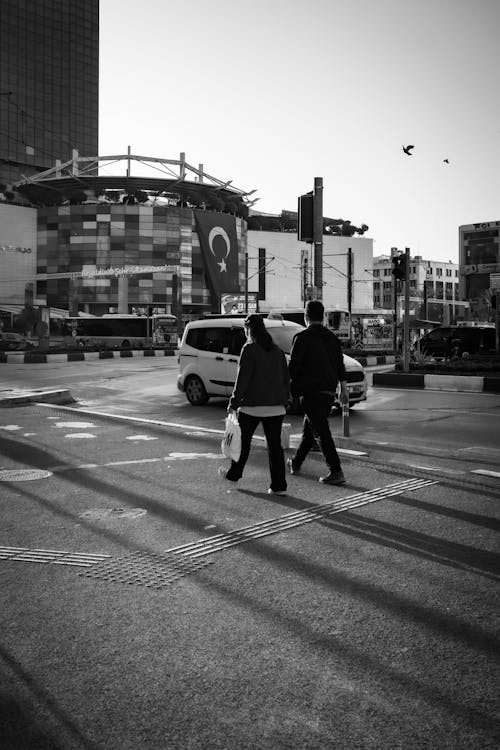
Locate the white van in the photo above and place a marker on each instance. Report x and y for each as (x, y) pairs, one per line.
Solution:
(209, 354)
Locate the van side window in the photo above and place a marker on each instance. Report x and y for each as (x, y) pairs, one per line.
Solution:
(209, 339)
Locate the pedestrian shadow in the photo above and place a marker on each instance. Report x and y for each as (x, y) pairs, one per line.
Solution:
(488, 522)
(19, 728)
(44, 459)
(409, 541)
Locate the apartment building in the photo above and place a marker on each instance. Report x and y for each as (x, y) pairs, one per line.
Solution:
(434, 289)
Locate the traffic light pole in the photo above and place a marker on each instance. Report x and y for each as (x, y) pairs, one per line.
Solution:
(406, 326)
(349, 280)
(318, 237)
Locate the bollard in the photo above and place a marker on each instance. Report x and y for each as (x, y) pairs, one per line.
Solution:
(285, 435)
(345, 420)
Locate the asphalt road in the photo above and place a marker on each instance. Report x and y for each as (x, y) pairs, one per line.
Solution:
(370, 622)
(453, 426)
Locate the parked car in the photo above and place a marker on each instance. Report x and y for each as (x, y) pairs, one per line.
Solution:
(448, 340)
(13, 342)
(209, 354)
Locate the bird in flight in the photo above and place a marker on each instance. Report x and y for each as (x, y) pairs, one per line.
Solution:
(446, 161)
(407, 150)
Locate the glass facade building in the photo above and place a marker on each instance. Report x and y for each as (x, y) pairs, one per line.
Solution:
(119, 241)
(49, 83)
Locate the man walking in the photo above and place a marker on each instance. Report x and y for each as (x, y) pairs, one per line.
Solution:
(316, 368)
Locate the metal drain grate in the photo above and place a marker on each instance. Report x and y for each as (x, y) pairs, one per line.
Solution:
(146, 569)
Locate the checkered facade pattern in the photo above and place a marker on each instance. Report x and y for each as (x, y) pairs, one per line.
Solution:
(113, 236)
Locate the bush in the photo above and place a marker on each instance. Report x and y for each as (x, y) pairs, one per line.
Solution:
(476, 366)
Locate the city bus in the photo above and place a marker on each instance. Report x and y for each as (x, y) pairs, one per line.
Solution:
(113, 331)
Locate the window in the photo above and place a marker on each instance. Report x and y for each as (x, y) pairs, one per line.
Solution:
(209, 339)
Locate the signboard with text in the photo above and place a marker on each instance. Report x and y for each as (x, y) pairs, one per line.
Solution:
(17, 252)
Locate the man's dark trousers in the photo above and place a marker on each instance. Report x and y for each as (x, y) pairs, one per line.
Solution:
(317, 408)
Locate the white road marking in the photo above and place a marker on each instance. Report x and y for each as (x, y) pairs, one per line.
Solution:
(486, 473)
(10, 427)
(188, 456)
(436, 468)
(79, 435)
(171, 457)
(23, 475)
(351, 452)
(69, 425)
(141, 437)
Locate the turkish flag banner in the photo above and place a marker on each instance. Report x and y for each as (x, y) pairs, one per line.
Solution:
(219, 248)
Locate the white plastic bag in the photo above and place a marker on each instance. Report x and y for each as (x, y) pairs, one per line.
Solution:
(231, 442)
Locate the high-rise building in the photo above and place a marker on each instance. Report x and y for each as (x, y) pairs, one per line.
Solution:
(479, 248)
(49, 83)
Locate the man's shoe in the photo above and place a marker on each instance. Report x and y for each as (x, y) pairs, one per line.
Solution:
(276, 492)
(293, 469)
(334, 477)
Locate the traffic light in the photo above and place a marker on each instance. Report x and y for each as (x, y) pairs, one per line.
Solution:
(399, 267)
(306, 218)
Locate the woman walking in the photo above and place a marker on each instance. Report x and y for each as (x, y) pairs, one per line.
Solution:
(261, 394)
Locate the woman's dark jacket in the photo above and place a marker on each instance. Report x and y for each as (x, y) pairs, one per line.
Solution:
(262, 378)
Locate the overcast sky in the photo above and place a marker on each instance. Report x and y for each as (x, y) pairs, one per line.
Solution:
(271, 94)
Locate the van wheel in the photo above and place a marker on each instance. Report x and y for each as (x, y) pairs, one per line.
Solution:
(195, 391)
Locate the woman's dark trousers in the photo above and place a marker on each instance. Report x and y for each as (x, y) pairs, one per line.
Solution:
(272, 431)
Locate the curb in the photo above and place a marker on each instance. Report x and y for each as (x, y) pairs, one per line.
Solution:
(463, 383)
(380, 359)
(18, 398)
(36, 358)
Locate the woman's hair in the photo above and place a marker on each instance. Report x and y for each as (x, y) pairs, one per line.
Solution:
(255, 324)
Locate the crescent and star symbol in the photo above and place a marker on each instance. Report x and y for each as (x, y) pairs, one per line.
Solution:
(215, 232)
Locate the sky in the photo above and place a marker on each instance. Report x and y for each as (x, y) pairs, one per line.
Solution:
(271, 94)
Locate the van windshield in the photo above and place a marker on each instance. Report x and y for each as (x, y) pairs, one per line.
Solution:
(283, 336)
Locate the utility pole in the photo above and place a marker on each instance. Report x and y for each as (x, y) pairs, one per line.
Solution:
(349, 280)
(406, 326)
(246, 283)
(318, 237)
(395, 314)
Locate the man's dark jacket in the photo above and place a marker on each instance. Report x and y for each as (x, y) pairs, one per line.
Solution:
(316, 361)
